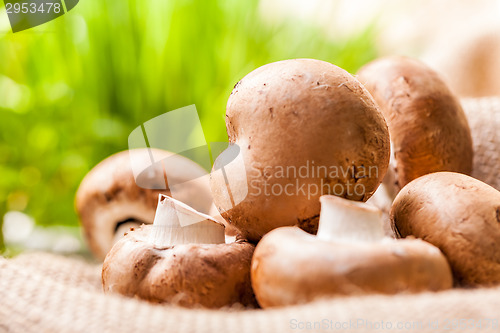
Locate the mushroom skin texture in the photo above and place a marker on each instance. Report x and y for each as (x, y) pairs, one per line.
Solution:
(183, 259)
(428, 128)
(294, 114)
(189, 275)
(484, 121)
(109, 201)
(458, 214)
(349, 256)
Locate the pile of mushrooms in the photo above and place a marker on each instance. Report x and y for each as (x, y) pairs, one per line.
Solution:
(303, 236)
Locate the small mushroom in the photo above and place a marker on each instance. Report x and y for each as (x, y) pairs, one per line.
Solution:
(349, 256)
(458, 214)
(428, 128)
(109, 201)
(304, 128)
(181, 259)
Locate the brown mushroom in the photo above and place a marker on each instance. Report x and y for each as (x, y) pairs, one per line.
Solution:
(458, 214)
(484, 121)
(181, 259)
(470, 62)
(109, 201)
(349, 256)
(304, 128)
(428, 128)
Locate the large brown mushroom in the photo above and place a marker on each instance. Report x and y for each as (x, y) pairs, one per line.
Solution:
(302, 128)
(428, 128)
(181, 259)
(458, 214)
(109, 200)
(349, 256)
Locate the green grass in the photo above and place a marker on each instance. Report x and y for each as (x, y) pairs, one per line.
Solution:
(72, 90)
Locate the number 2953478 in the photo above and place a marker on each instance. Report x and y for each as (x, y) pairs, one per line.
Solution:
(31, 7)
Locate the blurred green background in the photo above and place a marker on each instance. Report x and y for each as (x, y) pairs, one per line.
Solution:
(73, 89)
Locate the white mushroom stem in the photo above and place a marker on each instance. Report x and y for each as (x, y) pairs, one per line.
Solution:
(349, 221)
(176, 223)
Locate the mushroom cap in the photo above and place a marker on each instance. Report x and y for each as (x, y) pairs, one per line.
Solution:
(190, 275)
(292, 267)
(109, 199)
(288, 118)
(428, 128)
(458, 214)
(470, 62)
(484, 120)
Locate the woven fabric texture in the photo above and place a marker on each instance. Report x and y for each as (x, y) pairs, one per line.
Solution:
(42, 292)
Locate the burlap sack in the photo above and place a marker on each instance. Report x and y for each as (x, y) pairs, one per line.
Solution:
(49, 293)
